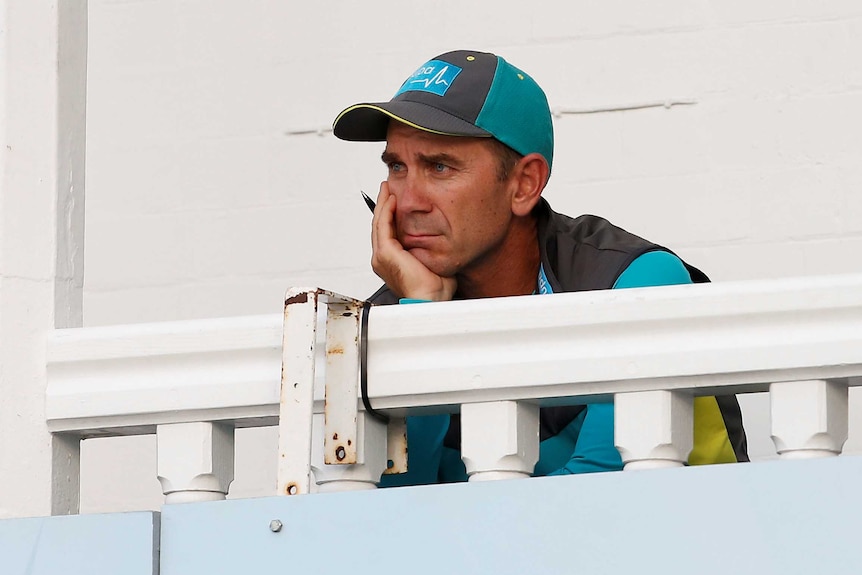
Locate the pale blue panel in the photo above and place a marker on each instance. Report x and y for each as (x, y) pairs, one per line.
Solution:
(110, 544)
(766, 518)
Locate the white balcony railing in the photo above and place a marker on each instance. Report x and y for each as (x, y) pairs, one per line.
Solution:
(496, 361)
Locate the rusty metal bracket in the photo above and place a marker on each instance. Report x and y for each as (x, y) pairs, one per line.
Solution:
(396, 446)
(342, 379)
(296, 406)
(299, 358)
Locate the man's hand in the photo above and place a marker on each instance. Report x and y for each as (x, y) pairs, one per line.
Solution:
(403, 273)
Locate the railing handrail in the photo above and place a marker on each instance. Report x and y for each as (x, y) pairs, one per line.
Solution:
(126, 379)
(731, 337)
(588, 346)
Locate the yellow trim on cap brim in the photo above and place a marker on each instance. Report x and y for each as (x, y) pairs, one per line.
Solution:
(408, 122)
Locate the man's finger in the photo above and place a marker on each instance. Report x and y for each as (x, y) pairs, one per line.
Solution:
(375, 220)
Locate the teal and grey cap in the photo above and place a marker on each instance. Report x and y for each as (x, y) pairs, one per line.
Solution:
(461, 93)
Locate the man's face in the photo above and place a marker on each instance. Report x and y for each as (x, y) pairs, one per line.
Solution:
(452, 211)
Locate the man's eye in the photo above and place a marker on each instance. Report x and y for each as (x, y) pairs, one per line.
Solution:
(439, 168)
(396, 166)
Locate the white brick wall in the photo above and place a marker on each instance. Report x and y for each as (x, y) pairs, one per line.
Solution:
(199, 204)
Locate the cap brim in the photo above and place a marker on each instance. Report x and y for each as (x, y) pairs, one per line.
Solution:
(369, 122)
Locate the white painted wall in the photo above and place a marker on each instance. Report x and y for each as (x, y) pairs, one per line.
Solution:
(43, 82)
(200, 204)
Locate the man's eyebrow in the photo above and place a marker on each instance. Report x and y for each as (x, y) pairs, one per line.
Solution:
(441, 158)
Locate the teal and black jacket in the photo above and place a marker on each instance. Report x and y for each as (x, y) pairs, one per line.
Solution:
(585, 253)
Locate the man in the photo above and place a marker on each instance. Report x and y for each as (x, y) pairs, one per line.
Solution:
(469, 149)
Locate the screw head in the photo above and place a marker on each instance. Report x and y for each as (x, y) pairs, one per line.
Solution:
(275, 525)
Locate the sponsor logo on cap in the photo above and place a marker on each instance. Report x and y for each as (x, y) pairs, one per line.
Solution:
(434, 76)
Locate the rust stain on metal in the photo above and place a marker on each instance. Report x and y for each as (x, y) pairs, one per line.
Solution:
(335, 350)
(298, 298)
(340, 453)
(291, 489)
(335, 436)
(349, 442)
(400, 464)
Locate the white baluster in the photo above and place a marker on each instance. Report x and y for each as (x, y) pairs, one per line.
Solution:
(809, 418)
(499, 440)
(195, 460)
(370, 463)
(653, 429)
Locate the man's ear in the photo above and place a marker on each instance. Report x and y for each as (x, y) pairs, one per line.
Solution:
(530, 175)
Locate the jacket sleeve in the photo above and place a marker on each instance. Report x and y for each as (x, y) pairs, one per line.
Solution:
(594, 448)
(652, 269)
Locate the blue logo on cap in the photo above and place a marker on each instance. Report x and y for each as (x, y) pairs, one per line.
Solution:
(435, 77)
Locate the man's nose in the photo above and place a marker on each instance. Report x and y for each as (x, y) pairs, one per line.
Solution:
(412, 195)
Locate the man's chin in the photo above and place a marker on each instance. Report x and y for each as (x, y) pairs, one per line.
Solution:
(434, 262)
